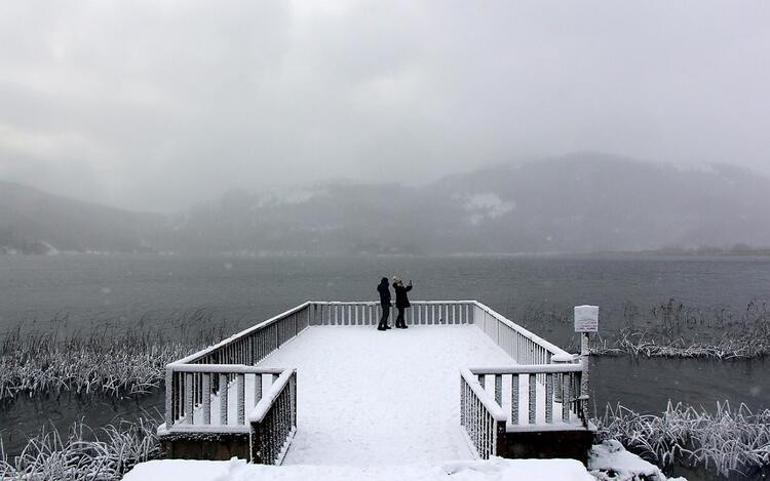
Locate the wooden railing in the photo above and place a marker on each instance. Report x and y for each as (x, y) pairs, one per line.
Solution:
(255, 343)
(481, 418)
(274, 421)
(523, 346)
(369, 313)
(486, 422)
(207, 377)
(547, 377)
(556, 403)
(213, 397)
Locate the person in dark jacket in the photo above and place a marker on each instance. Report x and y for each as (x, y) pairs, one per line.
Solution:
(384, 291)
(402, 301)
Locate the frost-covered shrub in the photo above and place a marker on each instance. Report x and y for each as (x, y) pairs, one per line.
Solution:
(84, 454)
(609, 461)
(109, 361)
(673, 329)
(727, 440)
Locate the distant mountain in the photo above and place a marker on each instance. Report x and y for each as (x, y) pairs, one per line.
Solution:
(34, 222)
(594, 202)
(576, 203)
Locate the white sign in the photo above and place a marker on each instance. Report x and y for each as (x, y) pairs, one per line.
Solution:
(586, 318)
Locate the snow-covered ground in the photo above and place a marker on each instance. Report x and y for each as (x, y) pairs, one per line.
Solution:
(367, 397)
(609, 461)
(238, 470)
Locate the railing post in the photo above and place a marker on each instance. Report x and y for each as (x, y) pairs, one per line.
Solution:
(532, 399)
(549, 398)
(206, 393)
(294, 399)
(560, 359)
(566, 395)
(582, 403)
(515, 398)
(223, 398)
(240, 381)
(188, 398)
(169, 397)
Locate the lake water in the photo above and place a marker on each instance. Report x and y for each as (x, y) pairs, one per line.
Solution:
(121, 290)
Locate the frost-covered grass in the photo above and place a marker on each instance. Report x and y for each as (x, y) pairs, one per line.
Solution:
(673, 329)
(725, 441)
(109, 361)
(103, 454)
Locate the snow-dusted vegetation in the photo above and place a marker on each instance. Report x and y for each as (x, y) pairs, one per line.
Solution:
(83, 453)
(724, 441)
(108, 361)
(673, 329)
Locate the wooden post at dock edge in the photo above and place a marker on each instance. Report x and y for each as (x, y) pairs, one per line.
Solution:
(586, 322)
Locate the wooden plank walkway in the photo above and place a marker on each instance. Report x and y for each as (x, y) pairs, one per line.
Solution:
(368, 397)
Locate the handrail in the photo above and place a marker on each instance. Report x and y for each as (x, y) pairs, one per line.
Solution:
(242, 333)
(528, 369)
(274, 421)
(259, 412)
(377, 303)
(367, 313)
(226, 368)
(552, 348)
(486, 399)
(481, 418)
(543, 390)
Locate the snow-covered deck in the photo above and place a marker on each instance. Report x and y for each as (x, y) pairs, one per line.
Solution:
(321, 381)
(369, 397)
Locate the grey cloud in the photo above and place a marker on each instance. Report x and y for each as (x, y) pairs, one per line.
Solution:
(155, 105)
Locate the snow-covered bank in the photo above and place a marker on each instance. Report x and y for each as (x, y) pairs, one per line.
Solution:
(238, 470)
(610, 461)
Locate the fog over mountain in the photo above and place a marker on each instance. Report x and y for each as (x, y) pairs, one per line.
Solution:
(578, 203)
(35, 222)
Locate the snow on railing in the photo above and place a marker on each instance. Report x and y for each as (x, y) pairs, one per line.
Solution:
(523, 346)
(333, 313)
(274, 421)
(538, 396)
(222, 379)
(255, 343)
(485, 420)
(213, 397)
(482, 419)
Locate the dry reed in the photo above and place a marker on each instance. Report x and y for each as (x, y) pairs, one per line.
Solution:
(110, 361)
(84, 454)
(725, 441)
(673, 329)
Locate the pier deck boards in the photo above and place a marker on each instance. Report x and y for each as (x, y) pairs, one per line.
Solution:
(369, 397)
(462, 382)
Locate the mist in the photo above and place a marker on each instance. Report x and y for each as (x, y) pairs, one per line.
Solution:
(159, 106)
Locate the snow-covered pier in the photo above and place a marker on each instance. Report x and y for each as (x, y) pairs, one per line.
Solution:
(319, 385)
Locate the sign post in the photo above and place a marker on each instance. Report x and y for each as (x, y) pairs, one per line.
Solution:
(586, 322)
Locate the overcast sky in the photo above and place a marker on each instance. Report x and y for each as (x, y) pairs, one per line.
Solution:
(155, 105)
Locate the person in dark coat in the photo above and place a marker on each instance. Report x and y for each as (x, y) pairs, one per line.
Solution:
(402, 301)
(385, 303)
